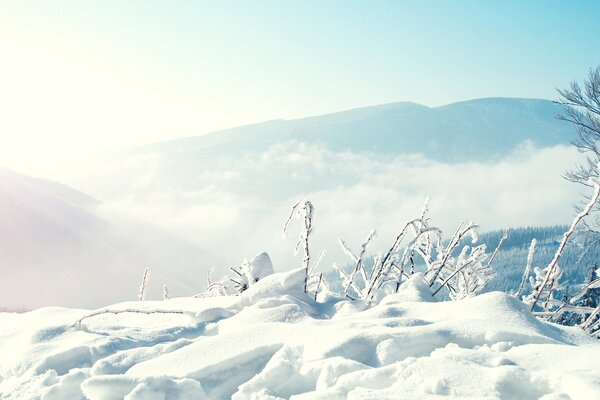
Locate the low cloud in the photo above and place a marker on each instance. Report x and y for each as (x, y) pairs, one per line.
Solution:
(235, 207)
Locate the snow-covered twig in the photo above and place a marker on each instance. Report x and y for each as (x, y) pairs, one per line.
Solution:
(346, 280)
(318, 285)
(142, 293)
(318, 261)
(497, 249)
(304, 209)
(359, 267)
(527, 268)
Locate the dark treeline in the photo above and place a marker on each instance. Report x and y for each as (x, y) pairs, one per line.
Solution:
(581, 254)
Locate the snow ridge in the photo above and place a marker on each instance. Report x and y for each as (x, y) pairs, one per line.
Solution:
(273, 341)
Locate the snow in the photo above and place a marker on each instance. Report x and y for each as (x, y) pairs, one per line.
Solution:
(273, 341)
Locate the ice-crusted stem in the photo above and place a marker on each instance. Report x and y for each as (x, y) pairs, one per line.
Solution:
(318, 285)
(552, 265)
(143, 286)
(346, 278)
(317, 261)
(527, 270)
(454, 241)
(452, 275)
(165, 292)
(359, 267)
(497, 249)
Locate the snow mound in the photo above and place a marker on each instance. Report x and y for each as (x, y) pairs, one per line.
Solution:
(273, 341)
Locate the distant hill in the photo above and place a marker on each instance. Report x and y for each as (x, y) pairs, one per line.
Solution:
(479, 130)
(482, 130)
(57, 248)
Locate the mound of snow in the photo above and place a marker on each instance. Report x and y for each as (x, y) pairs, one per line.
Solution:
(273, 341)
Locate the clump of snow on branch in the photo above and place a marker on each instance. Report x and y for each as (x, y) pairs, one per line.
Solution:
(245, 275)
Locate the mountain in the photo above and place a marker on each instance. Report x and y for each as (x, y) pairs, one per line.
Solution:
(477, 130)
(57, 247)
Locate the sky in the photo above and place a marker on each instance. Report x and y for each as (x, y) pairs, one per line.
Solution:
(79, 78)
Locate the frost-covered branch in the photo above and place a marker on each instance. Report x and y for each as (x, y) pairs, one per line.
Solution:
(554, 263)
(497, 249)
(303, 209)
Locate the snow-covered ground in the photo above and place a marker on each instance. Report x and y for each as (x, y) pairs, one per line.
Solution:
(274, 341)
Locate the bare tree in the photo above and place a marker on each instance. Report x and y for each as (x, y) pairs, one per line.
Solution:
(582, 109)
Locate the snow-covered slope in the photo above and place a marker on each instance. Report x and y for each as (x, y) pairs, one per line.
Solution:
(58, 248)
(273, 342)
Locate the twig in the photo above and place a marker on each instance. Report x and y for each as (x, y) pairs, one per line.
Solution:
(127, 310)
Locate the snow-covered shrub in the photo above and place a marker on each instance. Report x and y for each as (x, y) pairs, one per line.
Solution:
(544, 284)
(251, 271)
(462, 275)
(247, 274)
(468, 273)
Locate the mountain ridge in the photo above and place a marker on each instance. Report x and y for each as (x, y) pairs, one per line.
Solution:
(481, 129)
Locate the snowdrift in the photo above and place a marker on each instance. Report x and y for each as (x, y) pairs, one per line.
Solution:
(274, 341)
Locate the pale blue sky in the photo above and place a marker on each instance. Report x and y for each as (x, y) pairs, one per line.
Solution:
(83, 74)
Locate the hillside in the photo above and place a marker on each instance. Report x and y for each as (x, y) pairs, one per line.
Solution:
(58, 248)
